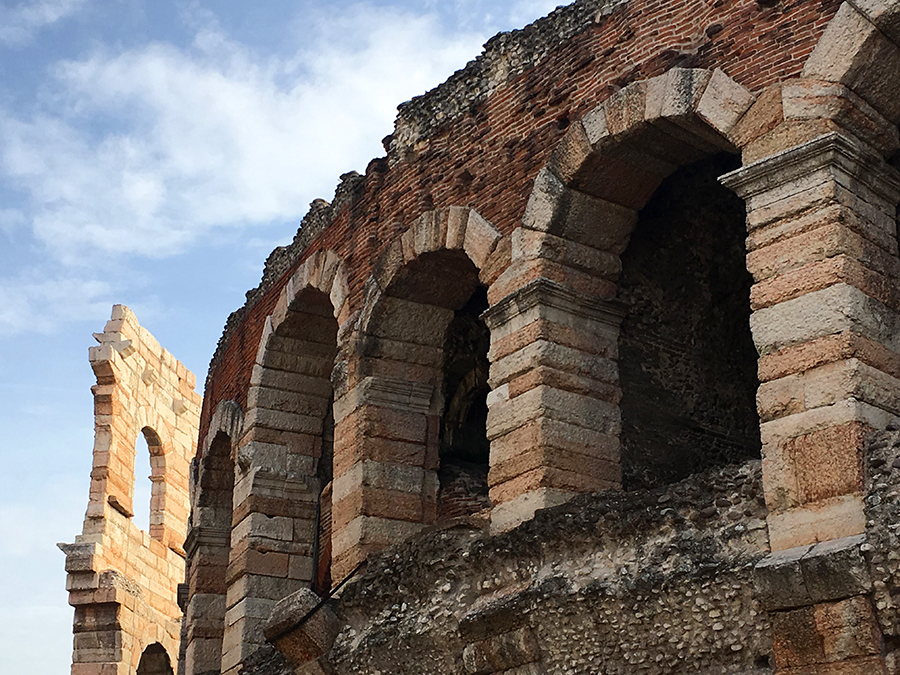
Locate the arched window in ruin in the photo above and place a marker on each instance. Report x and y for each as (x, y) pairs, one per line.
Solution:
(148, 502)
(687, 364)
(155, 661)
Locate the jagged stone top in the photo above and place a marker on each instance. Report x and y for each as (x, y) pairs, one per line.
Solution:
(505, 56)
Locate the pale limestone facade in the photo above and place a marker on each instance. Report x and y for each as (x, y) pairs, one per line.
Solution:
(122, 580)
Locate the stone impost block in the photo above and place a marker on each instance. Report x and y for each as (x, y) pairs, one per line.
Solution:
(387, 392)
(806, 575)
(302, 627)
(552, 302)
(793, 175)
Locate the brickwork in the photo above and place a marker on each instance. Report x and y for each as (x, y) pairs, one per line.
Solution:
(522, 180)
(122, 581)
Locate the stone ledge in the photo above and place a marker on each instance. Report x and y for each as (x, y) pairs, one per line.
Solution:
(807, 575)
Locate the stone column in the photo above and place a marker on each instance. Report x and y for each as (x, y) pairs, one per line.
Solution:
(822, 249)
(553, 413)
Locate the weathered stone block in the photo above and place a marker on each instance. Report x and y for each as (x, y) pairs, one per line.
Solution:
(302, 627)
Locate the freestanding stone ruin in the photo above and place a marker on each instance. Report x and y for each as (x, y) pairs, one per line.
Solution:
(123, 580)
(596, 371)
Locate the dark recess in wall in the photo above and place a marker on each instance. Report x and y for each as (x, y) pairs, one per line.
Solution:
(686, 357)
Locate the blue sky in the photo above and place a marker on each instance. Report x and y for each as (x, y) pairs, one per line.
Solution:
(153, 153)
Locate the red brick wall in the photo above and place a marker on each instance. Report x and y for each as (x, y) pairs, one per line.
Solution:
(487, 156)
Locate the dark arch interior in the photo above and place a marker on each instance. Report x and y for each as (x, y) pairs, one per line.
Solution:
(154, 661)
(687, 362)
(464, 447)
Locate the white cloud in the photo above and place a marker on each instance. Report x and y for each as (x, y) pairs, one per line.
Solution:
(216, 136)
(29, 303)
(18, 24)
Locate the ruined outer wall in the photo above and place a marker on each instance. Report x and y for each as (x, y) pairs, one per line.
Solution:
(123, 580)
(480, 138)
(658, 582)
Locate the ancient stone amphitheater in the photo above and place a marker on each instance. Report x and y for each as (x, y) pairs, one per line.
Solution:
(596, 371)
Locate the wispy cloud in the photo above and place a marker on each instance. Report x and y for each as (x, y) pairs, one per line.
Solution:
(146, 152)
(19, 24)
(33, 303)
(215, 136)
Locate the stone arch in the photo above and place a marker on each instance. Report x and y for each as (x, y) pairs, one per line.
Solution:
(388, 424)
(554, 314)
(208, 542)
(283, 455)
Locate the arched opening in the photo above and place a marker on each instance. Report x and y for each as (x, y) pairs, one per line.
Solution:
(148, 502)
(143, 485)
(155, 661)
(687, 363)
(464, 446)
(208, 548)
(436, 301)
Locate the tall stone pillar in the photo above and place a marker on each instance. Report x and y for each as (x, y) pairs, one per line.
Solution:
(822, 248)
(385, 460)
(553, 413)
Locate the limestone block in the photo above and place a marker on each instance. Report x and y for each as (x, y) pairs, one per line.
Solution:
(836, 569)
(829, 311)
(552, 355)
(564, 406)
(675, 93)
(290, 381)
(409, 322)
(809, 524)
(535, 244)
(429, 233)
(813, 99)
(570, 153)
(508, 515)
(302, 627)
(723, 103)
(778, 580)
(387, 392)
(851, 379)
(853, 52)
(383, 476)
(576, 216)
(372, 530)
(777, 398)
